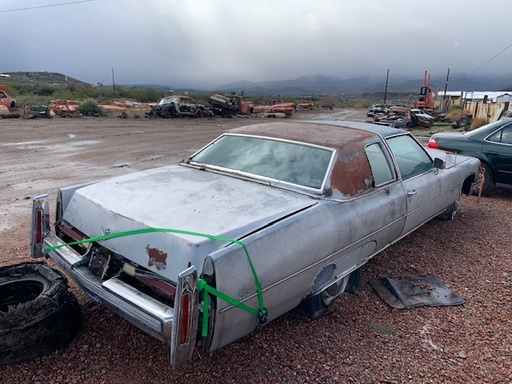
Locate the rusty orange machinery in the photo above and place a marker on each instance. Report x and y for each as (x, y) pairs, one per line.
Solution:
(426, 97)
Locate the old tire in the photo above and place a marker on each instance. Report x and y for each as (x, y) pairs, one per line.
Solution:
(38, 314)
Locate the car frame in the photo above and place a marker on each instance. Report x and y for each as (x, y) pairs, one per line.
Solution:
(262, 220)
(7, 100)
(176, 106)
(491, 144)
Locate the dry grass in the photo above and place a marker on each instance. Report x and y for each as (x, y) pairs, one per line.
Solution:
(478, 122)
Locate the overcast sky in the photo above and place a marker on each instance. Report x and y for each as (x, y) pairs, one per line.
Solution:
(205, 43)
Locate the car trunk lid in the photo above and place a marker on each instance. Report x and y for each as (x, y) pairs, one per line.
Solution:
(194, 209)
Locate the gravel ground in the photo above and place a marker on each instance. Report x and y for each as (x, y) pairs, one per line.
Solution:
(363, 341)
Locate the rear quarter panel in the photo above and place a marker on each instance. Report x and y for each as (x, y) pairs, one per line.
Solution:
(288, 255)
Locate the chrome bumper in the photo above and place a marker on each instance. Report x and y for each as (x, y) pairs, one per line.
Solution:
(176, 327)
(138, 308)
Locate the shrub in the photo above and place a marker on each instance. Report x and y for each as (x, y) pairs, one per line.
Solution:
(32, 100)
(90, 107)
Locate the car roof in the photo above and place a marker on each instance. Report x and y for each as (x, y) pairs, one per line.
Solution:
(332, 134)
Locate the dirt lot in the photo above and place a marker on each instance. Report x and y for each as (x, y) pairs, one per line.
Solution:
(363, 341)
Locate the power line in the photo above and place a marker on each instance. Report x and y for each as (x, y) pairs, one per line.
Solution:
(491, 59)
(495, 21)
(45, 6)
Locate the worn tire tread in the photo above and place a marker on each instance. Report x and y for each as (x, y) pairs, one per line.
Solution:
(40, 326)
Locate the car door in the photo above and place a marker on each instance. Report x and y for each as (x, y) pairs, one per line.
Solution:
(497, 148)
(429, 191)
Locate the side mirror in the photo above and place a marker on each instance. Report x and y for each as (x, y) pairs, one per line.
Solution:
(439, 163)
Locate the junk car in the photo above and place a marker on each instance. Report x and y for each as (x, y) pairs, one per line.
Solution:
(421, 118)
(7, 100)
(176, 106)
(264, 219)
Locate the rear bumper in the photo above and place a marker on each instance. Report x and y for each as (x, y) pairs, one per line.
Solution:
(176, 327)
(139, 309)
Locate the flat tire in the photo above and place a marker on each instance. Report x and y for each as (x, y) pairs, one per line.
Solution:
(38, 313)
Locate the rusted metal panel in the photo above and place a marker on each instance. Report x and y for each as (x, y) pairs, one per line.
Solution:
(351, 174)
(65, 107)
(287, 108)
(305, 106)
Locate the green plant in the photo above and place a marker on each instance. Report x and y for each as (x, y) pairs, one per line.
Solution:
(381, 327)
(90, 107)
(28, 100)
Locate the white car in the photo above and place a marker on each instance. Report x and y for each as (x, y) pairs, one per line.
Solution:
(263, 220)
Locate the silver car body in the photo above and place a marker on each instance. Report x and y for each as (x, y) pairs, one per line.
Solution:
(257, 238)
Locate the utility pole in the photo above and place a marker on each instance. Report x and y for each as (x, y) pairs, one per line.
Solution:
(446, 84)
(113, 82)
(386, 89)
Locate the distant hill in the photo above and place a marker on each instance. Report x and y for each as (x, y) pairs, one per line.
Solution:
(317, 84)
(42, 78)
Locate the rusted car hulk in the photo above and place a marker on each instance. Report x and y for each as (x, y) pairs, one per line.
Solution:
(176, 106)
(7, 100)
(264, 219)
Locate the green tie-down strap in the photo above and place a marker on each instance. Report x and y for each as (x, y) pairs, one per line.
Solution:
(208, 289)
(203, 286)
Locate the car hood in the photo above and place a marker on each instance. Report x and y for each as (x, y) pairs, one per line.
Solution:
(185, 201)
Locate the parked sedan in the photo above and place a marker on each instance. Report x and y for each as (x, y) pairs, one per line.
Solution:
(492, 144)
(263, 220)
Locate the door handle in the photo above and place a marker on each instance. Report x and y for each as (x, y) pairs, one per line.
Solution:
(411, 192)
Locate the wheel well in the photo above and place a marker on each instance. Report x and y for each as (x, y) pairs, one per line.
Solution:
(488, 167)
(467, 185)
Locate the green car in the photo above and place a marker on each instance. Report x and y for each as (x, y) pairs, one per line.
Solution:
(492, 144)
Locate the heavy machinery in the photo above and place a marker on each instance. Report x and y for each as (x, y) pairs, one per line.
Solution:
(427, 96)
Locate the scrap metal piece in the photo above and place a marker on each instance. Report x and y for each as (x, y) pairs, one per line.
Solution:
(415, 292)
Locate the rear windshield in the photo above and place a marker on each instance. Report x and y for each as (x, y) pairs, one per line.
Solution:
(290, 162)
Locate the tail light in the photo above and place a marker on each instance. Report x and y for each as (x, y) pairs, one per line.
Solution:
(185, 319)
(432, 143)
(40, 224)
(185, 304)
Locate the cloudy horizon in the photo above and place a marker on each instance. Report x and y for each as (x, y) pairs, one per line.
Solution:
(206, 43)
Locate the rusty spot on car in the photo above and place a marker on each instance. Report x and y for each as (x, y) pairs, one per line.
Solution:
(157, 258)
(351, 174)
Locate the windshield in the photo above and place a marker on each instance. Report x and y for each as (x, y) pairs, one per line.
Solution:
(280, 160)
(168, 100)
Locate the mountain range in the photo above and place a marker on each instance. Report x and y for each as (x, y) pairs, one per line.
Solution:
(317, 84)
(322, 84)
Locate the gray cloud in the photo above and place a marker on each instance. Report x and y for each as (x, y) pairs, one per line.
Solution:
(211, 42)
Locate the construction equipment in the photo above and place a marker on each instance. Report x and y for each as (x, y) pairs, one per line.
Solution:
(427, 96)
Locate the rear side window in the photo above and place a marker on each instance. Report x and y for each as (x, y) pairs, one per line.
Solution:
(502, 136)
(412, 159)
(382, 172)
